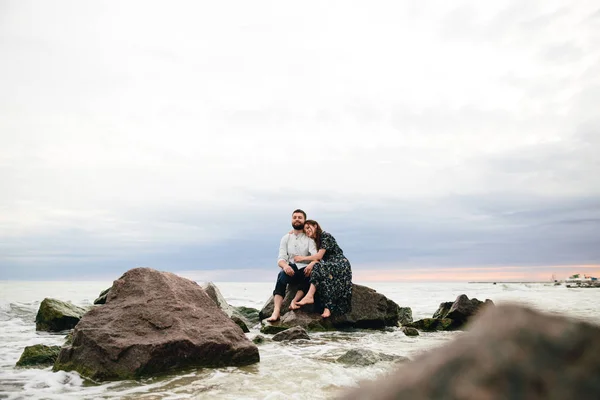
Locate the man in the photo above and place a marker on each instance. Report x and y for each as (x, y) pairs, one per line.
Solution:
(293, 244)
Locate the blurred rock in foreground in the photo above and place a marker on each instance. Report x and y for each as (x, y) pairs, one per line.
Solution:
(508, 352)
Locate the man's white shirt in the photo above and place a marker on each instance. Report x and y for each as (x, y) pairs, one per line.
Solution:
(296, 245)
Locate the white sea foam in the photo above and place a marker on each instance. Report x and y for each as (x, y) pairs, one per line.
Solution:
(295, 370)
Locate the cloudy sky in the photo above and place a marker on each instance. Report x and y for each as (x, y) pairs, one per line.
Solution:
(434, 139)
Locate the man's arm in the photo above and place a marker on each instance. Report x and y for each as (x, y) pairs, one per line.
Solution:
(283, 258)
(312, 250)
(314, 257)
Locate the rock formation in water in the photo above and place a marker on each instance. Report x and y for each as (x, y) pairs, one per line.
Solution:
(508, 352)
(154, 322)
(451, 316)
(102, 297)
(38, 355)
(242, 316)
(364, 357)
(370, 310)
(57, 315)
(294, 333)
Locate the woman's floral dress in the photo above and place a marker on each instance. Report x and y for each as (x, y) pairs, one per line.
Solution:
(333, 277)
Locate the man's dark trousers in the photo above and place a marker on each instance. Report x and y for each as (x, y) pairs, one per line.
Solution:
(298, 278)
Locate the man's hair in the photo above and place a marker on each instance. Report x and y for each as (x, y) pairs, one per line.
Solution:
(299, 211)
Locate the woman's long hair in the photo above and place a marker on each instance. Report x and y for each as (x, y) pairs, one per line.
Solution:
(318, 231)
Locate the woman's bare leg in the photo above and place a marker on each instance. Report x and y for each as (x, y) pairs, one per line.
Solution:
(326, 313)
(310, 296)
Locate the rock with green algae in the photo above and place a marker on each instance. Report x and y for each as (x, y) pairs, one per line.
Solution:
(238, 317)
(273, 328)
(38, 355)
(56, 315)
(433, 324)
(251, 314)
(102, 297)
(259, 339)
(408, 331)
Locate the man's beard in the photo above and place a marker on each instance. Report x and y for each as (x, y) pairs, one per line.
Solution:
(298, 226)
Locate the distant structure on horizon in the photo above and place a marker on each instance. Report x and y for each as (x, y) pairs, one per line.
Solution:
(582, 280)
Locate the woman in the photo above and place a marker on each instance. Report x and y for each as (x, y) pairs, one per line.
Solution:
(331, 273)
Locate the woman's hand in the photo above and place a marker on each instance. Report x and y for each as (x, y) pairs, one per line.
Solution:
(309, 269)
(299, 258)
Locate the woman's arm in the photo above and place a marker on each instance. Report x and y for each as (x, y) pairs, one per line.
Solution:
(314, 257)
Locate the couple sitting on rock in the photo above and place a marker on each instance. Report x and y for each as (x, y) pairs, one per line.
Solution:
(311, 258)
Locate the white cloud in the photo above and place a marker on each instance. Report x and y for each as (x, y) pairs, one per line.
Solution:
(107, 108)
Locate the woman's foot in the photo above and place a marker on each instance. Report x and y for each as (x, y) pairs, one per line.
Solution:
(294, 305)
(306, 300)
(274, 317)
(326, 313)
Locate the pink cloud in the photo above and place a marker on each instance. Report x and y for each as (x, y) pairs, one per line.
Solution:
(507, 273)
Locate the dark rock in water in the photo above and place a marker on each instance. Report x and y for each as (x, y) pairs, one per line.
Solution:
(215, 294)
(38, 355)
(273, 328)
(370, 310)
(291, 334)
(154, 322)
(362, 357)
(408, 331)
(451, 315)
(443, 310)
(508, 352)
(238, 321)
(250, 314)
(434, 324)
(259, 339)
(69, 338)
(102, 297)
(462, 309)
(405, 315)
(56, 315)
(311, 322)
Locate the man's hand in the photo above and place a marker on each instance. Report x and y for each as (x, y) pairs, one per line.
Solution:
(308, 269)
(299, 258)
(288, 270)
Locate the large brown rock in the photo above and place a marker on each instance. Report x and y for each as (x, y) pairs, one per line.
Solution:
(508, 352)
(370, 310)
(154, 322)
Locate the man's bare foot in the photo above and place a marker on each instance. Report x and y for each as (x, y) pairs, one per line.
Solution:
(294, 305)
(306, 300)
(326, 313)
(274, 317)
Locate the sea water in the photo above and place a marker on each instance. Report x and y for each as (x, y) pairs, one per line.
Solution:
(292, 370)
